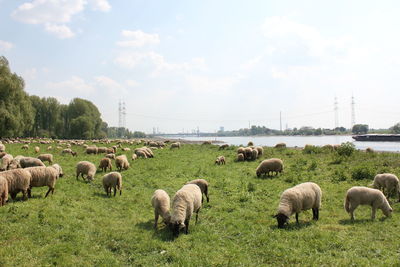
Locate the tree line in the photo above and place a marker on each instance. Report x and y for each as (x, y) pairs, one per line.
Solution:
(23, 115)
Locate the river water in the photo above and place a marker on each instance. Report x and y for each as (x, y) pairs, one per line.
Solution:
(300, 141)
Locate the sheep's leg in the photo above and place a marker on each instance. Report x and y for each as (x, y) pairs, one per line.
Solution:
(297, 217)
(187, 226)
(29, 192)
(115, 190)
(77, 175)
(315, 213)
(206, 193)
(373, 213)
(48, 191)
(25, 195)
(197, 215)
(155, 219)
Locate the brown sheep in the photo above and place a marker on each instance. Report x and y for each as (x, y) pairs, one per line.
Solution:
(104, 164)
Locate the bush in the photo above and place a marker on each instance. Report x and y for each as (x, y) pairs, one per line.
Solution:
(339, 176)
(346, 149)
(310, 149)
(363, 172)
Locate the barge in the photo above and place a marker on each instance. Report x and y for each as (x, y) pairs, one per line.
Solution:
(377, 137)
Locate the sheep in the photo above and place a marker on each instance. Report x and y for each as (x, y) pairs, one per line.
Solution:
(160, 202)
(44, 176)
(101, 150)
(2, 148)
(2, 154)
(49, 148)
(369, 150)
(207, 143)
(248, 153)
(66, 151)
(360, 195)
(254, 154)
(37, 149)
(250, 143)
(27, 162)
(301, 197)
(14, 164)
(46, 157)
(240, 150)
(175, 145)
(85, 167)
(280, 145)
(112, 180)
(269, 165)
(141, 154)
(5, 162)
(240, 157)
(148, 151)
(126, 149)
(134, 157)
(25, 147)
(203, 184)
(91, 150)
(18, 180)
(104, 164)
(387, 182)
(223, 146)
(110, 156)
(121, 162)
(186, 201)
(3, 191)
(220, 160)
(260, 150)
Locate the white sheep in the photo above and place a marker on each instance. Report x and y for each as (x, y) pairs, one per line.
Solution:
(175, 145)
(360, 195)
(134, 157)
(27, 162)
(220, 160)
(37, 149)
(254, 154)
(186, 201)
(121, 162)
(269, 165)
(18, 180)
(240, 157)
(203, 184)
(2, 148)
(6, 161)
(85, 167)
(260, 150)
(3, 191)
(104, 164)
(91, 150)
(160, 202)
(301, 197)
(44, 176)
(46, 157)
(388, 183)
(112, 180)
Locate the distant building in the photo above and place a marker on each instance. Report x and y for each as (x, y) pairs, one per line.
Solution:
(222, 128)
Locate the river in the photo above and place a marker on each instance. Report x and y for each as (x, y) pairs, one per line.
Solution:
(300, 141)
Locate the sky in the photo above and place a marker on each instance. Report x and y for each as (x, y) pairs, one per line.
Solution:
(179, 65)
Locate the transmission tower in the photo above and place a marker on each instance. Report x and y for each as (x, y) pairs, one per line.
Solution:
(336, 108)
(123, 115)
(353, 113)
(120, 114)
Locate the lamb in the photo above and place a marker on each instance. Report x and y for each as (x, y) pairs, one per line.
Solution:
(220, 160)
(112, 180)
(2, 148)
(27, 162)
(3, 191)
(203, 184)
(160, 202)
(46, 157)
(37, 149)
(223, 146)
(303, 196)
(360, 195)
(105, 163)
(134, 157)
(25, 147)
(110, 156)
(18, 180)
(175, 145)
(269, 165)
(5, 162)
(44, 176)
(121, 162)
(186, 201)
(91, 150)
(85, 167)
(387, 182)
(240, 157)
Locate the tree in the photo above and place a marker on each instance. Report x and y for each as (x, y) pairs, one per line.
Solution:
(360, 129)
(395, 128)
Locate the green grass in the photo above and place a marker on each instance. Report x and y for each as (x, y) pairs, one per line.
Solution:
(80, 226)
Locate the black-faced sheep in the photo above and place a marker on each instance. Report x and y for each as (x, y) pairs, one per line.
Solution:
(160, 202)
(269, 166)
(112, 180)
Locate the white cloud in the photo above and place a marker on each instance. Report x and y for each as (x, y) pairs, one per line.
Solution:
(75, 84)
(5, 46)
(131, 83)
(220, 85)
(138, 39)
(113, 88)
(102, 5)
(61, 31)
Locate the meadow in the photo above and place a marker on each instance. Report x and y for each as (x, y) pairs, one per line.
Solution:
(80, 226)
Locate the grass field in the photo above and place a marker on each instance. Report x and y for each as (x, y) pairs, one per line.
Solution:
(80, 226)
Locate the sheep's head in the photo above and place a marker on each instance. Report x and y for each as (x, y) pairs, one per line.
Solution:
(176, 227)
(281, 219)
(258, 173)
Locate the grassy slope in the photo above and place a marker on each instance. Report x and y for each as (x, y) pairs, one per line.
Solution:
(79, 225)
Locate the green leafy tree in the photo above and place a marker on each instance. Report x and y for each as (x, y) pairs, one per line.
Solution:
(360, 129)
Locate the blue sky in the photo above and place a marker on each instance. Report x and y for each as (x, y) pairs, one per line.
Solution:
(182, 64)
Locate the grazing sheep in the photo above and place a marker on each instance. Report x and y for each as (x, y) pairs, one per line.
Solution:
(110, 156)
(240, 157)
(2, 148)
(134, 157)
(220, 160)
(66, 151)
(223, 146)
(203, 184)
(148, 151)
(369, 150)
(3, 191)
(269, 165)
(388, 183)
(25, 147)
(360, 195)
(186, 201)
(37, 149)
(126, 149)
(240, 150)
(248, 153)
(2, 154)
(207, 143)
(141, 154)
(121, 162)
(101, 150)
(254, 154)
(91, 150)
(301, 197)
(260, 150)
(110, 150)
(175, 145)
(5, 162)
(104, 164)
(44, 176)
(250, 143)
(14, 164)
(27, 162)
(160, 202)
(46, 157)
(85, 167)
(112, 180)
(280, 145)
(18, 180)
(49, 148)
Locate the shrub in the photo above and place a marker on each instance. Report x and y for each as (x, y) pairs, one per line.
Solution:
(362, 172)
(346, 149)
(310, 149)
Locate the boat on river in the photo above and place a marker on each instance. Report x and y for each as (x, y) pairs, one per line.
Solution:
(377, 137)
